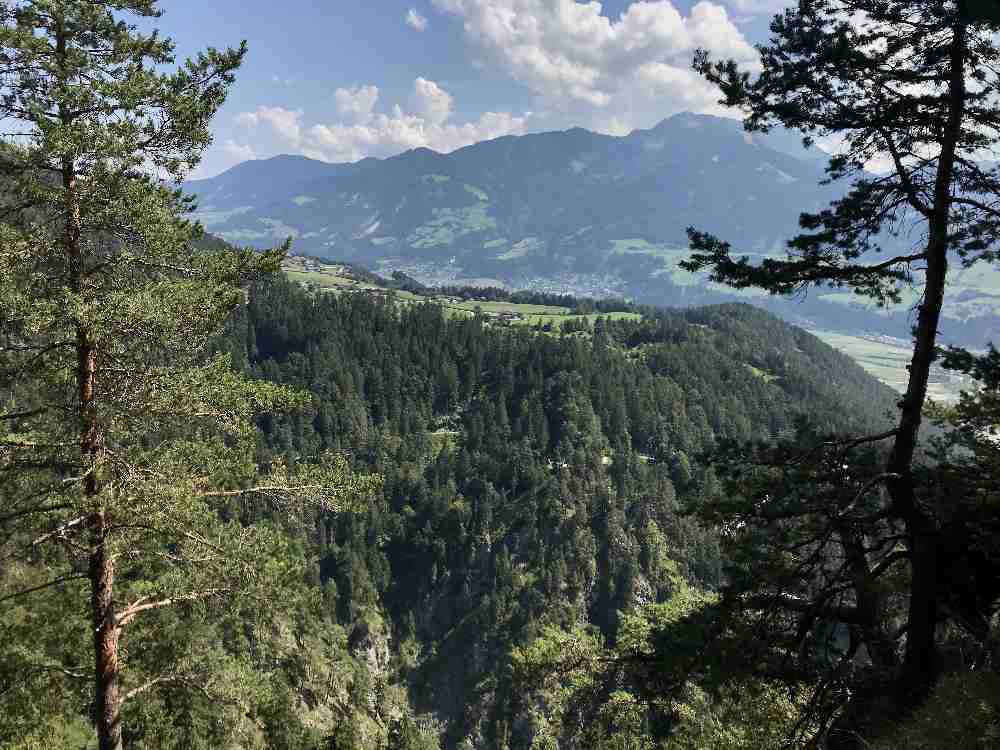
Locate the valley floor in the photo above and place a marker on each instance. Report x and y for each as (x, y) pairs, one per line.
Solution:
(886, 358)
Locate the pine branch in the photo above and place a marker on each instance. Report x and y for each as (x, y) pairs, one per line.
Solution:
(146, 604)
(993, 211)
(43, 586)
(792, 603)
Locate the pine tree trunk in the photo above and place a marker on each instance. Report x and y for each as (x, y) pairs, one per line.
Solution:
(919, 663)
(107, 700)
(101, 570)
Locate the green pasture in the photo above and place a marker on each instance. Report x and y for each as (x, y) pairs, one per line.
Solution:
(887, 361)
(330, 278)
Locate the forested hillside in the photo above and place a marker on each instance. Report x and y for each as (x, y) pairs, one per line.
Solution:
(531, 479)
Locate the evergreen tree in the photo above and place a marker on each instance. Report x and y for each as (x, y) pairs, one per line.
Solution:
(914, 81)
(123, 439)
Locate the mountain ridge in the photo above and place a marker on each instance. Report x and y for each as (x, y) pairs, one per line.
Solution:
(566, 211)
(575, 164)
(781, 143)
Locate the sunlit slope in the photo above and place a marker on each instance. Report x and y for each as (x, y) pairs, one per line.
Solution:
(572, 211)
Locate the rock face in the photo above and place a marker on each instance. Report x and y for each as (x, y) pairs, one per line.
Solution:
(371, 647)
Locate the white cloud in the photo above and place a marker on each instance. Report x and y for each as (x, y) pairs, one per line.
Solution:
(285, 122)
(431, 101)
(356, 103)
(365, 133)
(610, 74)
(389, 134)
(416, 21)
(238, 152)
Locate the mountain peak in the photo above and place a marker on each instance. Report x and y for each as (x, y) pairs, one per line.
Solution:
(279, 158)
(691, 120)
(423, 151)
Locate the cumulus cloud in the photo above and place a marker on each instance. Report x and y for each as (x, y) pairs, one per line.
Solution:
(431, 101)
(238, 152)
(285, 122)
(356, 103)
(366, 133)
(416, 21)
(388, 134)
(587, 68)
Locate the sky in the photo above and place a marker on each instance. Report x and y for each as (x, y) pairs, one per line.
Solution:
(340, 80)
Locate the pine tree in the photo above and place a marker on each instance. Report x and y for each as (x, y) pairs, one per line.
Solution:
(122, 437)
(915, 82)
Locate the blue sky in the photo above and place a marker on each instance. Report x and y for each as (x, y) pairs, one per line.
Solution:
(340, 80)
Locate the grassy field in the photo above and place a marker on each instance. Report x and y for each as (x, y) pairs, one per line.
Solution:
(527, 315)
(449, 224)
(887, 361)
(334, 279)
(326, 280)
(509, 307)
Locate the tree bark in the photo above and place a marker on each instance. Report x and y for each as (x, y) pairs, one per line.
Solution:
(107, 699)
(100, 569)
(919, 663)
(107, 692)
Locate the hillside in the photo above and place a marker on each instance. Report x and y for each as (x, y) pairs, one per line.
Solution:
(883, 356)
(530, 478)
(540, 457)
(545, 311)
(572, 211)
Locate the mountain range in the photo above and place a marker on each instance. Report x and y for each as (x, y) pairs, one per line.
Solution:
(571, 211)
